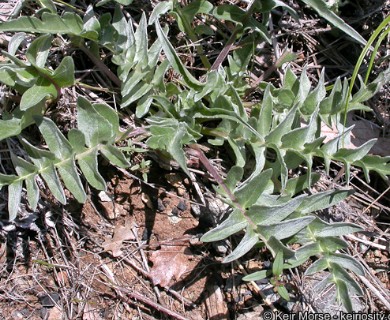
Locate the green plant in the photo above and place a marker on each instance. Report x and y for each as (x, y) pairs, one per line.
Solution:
(98, 128)
(275, 275)
(269, 142)
(280, 134)
(143, 167)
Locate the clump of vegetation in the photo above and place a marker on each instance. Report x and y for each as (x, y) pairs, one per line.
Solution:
(270, 140)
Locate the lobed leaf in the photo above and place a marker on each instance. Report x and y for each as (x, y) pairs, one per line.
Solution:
(69, 23)
(284, 229)
(234, 223)
(249, 240)
(175, 61)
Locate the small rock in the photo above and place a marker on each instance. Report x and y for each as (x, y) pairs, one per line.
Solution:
(173, 217)
(105, 197)
(195, 210)
(182, 206)
(49, 300)
(160, 205)
(221, 247)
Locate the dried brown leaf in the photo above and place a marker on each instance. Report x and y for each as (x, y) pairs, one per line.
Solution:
(363, 131)
(121, 233)
(169, 264)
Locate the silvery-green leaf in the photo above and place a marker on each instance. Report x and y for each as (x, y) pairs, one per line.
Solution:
(277, 266)
(143, 106)
(130, 83)
(161, 8)
(115, 156)
(238, 147)
(381, 165)
(298, 184)
(69, 23)
(275, 136)
(281, 164)
(89, 166)
(249, 240)
(125, 33)
(63, 76)
(297, 138)
(275, 246)
(95, 128)
(8, 76)
(304, 88)
(50, 176)
(333, 101)
(86, 159)
(48, 4)
(55, 140)
(91, 25)
(304, 253)
(41, 158)
(154, 54)
(9, 128)
(125, 2)
(141, 42)
(340, 274)
(214, 80)
(38, 51)
(110, 115)
(322, 229)
(283, 293)
(158, 78)
(43, 89)
(352, 155)
(250, 191)
(332, 146)
(346, 262)
(286, 97)
(27, 171)
(290, 81)
(15, 42)
(284, 229)
(323, 10)
(6, 179)
(323, 200)
(331, 244)
(139, 90)
(175, 60)
(68, 171)
(233, 177)
(15, 194)
(258, 275)
(343, 295)
(317, 266)
(270, 214)
(313, 145)
(314, 98)
(229, 12)
(234, 223)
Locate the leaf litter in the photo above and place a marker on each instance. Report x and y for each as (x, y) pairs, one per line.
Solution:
(120, 234)
(170, 263)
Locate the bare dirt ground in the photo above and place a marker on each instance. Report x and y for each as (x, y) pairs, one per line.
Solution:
(134, 252)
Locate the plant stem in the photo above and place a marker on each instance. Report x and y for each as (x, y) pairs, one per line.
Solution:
(100, 64)
(229, 44)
